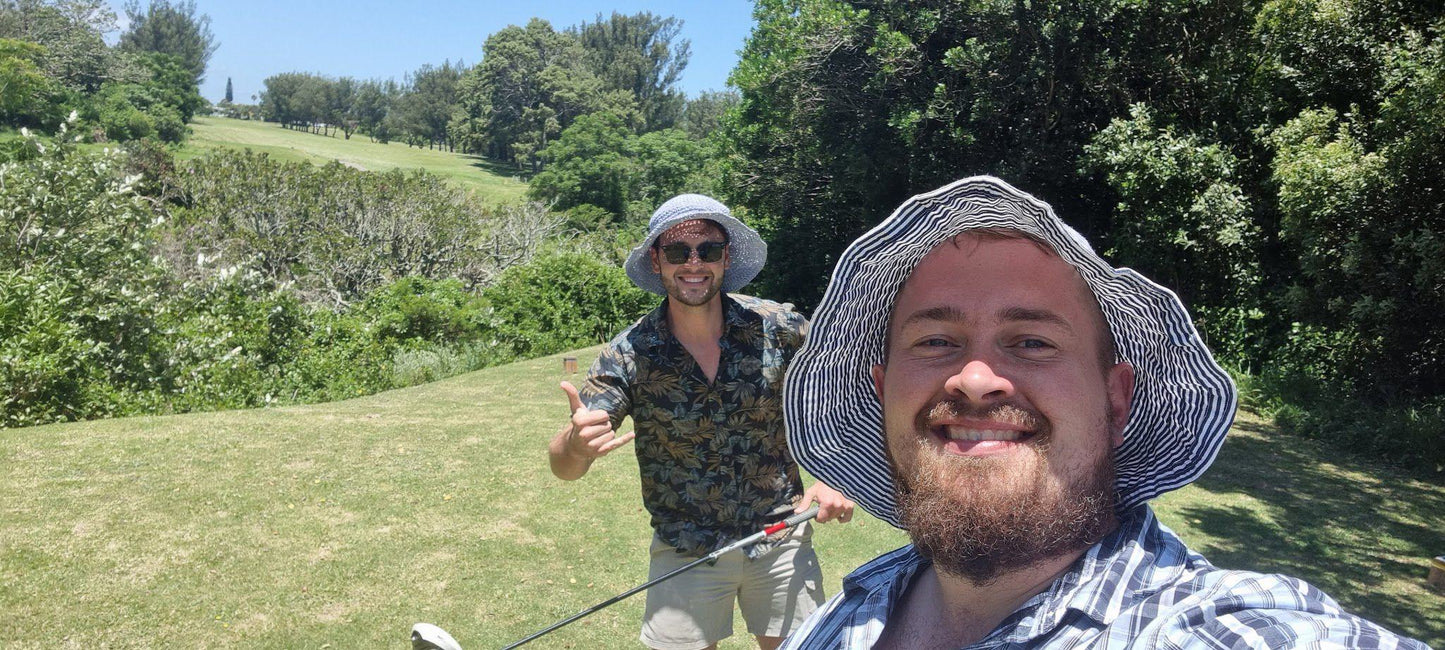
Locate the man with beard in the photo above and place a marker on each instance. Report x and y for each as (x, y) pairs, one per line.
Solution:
(977, 376)
(701, 376)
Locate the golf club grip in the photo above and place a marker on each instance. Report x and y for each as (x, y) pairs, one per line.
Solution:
(793, 520)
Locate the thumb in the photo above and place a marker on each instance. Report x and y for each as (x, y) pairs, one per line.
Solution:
(573, 399)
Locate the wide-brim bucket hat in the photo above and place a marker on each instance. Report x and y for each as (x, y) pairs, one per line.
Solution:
(1183, 401)
(746, 249)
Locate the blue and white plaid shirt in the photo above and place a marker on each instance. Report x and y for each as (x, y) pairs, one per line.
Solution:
(1140, 587)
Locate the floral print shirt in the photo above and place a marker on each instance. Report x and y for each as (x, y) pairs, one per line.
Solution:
(714, 460)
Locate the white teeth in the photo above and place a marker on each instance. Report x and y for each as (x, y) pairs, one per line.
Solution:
(974, 435)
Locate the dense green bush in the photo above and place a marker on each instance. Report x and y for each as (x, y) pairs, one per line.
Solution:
(111, 304)
(79, 286)
(417, 309)
(338, 233)
(598, 162)
(563, 301)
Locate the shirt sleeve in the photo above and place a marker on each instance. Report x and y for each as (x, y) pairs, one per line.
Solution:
(1266, 611)
(608, 386)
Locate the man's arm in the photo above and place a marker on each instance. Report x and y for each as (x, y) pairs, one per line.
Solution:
(587, 436)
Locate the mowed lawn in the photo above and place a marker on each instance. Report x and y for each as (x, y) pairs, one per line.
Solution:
(492, 181)
(339, 525)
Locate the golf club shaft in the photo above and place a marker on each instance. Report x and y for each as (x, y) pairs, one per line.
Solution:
(710, 557)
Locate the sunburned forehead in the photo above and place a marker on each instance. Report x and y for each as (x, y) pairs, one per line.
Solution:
(691, 229)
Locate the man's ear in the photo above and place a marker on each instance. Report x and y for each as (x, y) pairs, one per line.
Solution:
(877, 372)
(1120, 379)
(652, 255)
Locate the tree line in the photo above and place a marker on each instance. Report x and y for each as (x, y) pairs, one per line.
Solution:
(1278, 163)
(54, 61)
(593, 110)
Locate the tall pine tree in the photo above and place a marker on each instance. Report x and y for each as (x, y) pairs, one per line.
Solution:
(228, 90)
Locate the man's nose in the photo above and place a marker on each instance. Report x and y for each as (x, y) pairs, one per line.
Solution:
(977, 381)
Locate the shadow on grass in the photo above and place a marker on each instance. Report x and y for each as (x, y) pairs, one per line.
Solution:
(1362, 533)
(496, 167)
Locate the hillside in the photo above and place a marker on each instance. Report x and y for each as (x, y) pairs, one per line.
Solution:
(490, 180)
(344, 523)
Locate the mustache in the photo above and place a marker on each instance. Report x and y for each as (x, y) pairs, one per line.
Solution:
(956, 409)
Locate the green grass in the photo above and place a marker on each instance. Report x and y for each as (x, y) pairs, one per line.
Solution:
(491, 181)
(344, 523)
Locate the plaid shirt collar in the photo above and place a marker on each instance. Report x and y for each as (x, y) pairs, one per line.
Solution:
(1087, 587)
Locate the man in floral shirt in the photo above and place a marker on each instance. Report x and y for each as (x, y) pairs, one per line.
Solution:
(701, 376)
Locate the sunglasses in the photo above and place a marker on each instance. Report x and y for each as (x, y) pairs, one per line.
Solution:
(679, 253)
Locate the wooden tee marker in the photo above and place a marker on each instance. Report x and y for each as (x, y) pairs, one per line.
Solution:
(1437, 574)
(569, 365)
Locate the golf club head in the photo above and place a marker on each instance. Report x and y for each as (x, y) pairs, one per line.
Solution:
(425, 636)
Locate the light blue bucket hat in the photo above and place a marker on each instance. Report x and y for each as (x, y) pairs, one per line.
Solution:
(1183, 401)
(746, 250)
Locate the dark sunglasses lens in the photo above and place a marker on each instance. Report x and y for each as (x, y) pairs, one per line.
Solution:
(676, 253)
(711, 251)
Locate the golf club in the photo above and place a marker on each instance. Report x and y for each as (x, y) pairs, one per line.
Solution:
(425, 636)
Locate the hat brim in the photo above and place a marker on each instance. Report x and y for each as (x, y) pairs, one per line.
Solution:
(747, 252)
(1183, 401)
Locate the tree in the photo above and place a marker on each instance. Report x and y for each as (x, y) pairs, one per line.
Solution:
(25, 93)
(590, 163)
(704, 114)
(72, 33)
(428, 101)
(848, 107)
(642, 56)
(530, 84)
(228, 91)
(369, 108)
(173, 29)
(341, 104)
(598, 161)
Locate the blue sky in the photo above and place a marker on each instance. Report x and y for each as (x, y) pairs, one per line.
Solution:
(383, 39)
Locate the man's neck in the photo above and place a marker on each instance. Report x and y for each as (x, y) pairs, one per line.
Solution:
(698, 323)
(944, 610)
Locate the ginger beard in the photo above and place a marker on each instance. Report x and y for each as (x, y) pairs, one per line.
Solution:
(979, 518)
(1000, 403)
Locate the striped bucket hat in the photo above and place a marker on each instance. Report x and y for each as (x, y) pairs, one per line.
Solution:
(747, 251)
(1183, 401)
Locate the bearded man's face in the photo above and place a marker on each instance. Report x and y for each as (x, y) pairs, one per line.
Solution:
(1001, 412)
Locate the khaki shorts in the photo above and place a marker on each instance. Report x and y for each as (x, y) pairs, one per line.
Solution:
(694, 609)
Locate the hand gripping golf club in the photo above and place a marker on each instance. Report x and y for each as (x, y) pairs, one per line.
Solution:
(425, 636)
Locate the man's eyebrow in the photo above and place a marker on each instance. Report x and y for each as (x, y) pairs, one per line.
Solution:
(939, 313)
(1035, 315)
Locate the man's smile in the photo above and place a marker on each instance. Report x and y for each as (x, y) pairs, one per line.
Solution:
(998, 430)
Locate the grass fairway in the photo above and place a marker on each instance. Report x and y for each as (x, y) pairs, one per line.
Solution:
(491, 181)
(344, 523)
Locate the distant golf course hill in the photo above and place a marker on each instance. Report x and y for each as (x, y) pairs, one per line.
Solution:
(491, 181)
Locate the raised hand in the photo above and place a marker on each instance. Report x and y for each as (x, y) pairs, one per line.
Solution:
(589, 435)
